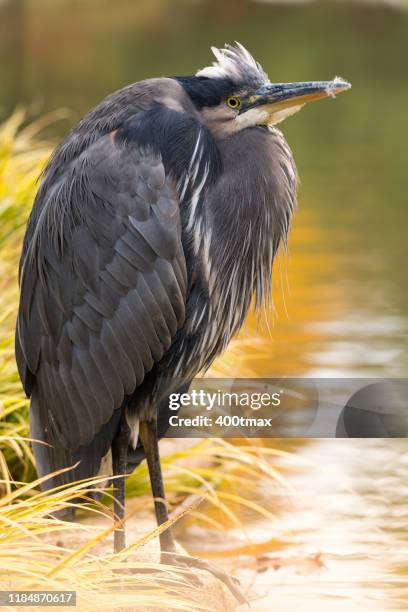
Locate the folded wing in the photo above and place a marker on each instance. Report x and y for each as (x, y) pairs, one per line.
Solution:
(103, 287)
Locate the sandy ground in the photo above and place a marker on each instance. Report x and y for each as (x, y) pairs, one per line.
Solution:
(211, 590)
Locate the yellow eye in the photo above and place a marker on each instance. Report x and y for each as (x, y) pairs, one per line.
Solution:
(233, 102)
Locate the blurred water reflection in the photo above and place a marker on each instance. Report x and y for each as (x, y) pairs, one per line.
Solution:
(345, 518)
(358, 528)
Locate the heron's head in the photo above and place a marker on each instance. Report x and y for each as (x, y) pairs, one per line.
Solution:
(235, 92)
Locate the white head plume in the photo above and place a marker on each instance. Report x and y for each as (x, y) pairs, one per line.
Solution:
(234, 62)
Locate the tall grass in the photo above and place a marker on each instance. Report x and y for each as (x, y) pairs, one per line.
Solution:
(22, 157)
(30, 562)
(222, 473)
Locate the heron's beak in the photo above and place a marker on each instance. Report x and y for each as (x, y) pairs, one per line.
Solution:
(280, 100)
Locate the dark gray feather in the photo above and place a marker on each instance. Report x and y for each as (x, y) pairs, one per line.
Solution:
(98, 306)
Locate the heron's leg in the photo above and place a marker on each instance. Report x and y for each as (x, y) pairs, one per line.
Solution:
(119, 460)
(149, 439)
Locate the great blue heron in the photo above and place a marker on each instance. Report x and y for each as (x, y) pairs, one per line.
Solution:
(157, 220)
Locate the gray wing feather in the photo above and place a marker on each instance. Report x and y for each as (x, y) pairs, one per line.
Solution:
(103, 288)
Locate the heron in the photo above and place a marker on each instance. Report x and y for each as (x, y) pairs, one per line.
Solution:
(156, 224)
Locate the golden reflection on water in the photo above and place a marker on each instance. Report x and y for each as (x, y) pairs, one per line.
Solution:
(340, 541)
(279, 344)
(320, 324)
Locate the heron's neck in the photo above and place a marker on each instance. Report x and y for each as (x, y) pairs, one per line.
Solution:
(237, 225)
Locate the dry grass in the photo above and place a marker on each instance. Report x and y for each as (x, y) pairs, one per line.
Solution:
(28, 561)
(22, 157)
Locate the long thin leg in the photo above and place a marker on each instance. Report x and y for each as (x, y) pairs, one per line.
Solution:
(119, 460)
(149, 439)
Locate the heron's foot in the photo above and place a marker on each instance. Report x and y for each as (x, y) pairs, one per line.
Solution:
(185, 560)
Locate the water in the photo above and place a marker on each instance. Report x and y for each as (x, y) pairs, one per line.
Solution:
(341, 295)
(352, 513)
(345, 517)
